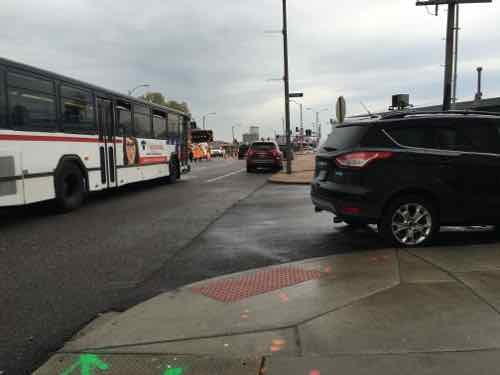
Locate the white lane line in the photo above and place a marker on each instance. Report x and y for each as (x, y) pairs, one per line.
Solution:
(226, 175)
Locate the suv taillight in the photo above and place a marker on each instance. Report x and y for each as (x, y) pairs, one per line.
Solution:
(361, 159)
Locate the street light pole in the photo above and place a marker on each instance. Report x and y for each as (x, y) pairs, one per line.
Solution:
(130, 92)
(317, 122)
(287, 91)
(205, 118)
(301, 127)
(232, 130)
(316, 119)
(301, 136)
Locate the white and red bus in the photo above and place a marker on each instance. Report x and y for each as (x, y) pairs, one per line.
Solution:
(61, 138)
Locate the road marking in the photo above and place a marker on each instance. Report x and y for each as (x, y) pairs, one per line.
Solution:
(226, 175)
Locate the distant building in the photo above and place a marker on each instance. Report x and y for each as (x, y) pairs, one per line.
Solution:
(250, 138)
(253, 135)
(254, 130)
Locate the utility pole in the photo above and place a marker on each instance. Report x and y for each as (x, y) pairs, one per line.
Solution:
(456, 29)
(451, 42)
(287, 92)
(479, 93)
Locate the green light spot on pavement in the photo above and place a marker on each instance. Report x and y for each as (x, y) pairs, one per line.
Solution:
(173, 371)
(87, 364)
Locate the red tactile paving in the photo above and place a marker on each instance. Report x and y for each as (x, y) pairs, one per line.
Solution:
(259, 282)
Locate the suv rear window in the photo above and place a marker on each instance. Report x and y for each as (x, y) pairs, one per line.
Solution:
(345, 137)
(447, 134)
(263, 146)
(414, 136)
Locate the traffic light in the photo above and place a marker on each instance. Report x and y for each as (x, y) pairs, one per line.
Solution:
(297, 129)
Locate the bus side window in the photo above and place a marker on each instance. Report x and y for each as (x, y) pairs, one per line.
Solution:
(77, 111)
(142, 122)
(3, 122)
(160, 126)
(173, 125)
(182, 129)
(32, 104)
(124, 122)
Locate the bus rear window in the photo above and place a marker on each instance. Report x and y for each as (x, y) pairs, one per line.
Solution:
(263, 146)
(345, 137)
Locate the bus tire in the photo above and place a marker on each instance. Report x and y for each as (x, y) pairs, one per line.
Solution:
(173, 167)
(70, 187)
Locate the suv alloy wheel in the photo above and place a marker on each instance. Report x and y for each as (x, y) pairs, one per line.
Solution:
(409, 221)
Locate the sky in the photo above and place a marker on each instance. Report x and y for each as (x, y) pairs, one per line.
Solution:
(226, 56)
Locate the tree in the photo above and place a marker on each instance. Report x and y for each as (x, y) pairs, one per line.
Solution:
(184, 107)
(155, 97)
(159, 98)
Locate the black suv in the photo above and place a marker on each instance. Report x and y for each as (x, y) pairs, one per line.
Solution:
(412, 172)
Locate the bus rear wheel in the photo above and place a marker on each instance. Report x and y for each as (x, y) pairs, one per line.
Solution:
(70, 187)
(173, 171)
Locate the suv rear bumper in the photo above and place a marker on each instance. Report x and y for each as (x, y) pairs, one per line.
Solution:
(264, 163)
(345, 201)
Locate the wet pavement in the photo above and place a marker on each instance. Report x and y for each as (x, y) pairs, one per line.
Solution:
(123, 248)
(384, 311)
(60, 271)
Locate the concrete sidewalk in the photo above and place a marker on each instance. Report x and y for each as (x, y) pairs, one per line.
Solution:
(426, 311)
(302, 171)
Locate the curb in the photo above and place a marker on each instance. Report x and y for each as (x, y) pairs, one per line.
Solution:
(291, 182)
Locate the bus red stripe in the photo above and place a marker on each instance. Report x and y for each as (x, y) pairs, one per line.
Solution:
(49, 138)
(152, 159)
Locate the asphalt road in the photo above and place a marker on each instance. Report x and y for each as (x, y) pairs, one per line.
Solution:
(59, 271)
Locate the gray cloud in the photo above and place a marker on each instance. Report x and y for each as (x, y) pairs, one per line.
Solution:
(214, 53)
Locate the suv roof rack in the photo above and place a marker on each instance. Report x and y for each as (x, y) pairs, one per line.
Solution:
(414, 112)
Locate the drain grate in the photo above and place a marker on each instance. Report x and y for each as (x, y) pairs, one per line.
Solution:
(259, 282)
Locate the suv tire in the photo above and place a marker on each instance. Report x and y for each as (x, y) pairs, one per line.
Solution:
(409, 220)
(70, 187)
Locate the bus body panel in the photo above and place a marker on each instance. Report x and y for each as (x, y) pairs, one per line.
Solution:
(11, 185)
(34, 180)
(38, 189)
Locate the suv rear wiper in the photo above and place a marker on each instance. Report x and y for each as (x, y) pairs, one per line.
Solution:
(329, 149)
